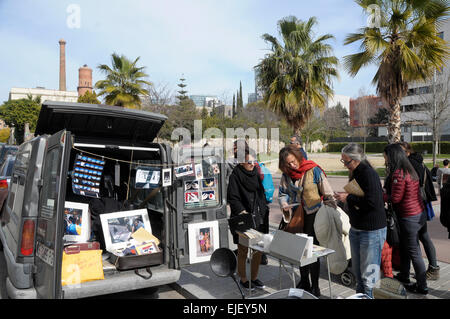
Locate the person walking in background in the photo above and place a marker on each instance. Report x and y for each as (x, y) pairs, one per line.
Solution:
(296, 140)
(403, 191)
(440, 174)
(367, 218)
(245, 195)
(425, 181)
(434, 171)
(303, 182)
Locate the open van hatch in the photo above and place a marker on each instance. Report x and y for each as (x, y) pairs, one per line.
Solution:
(101, 121)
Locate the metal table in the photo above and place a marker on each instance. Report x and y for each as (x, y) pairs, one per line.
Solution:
(318, 252)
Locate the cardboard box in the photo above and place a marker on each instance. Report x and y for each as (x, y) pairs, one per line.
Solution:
(287, 246)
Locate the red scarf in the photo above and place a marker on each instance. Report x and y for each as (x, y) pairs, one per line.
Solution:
(305, 166)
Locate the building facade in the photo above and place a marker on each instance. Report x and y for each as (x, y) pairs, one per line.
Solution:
(418, 104)
(45, 94)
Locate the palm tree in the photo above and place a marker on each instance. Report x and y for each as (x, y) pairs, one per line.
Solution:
(296, 74)
(404, 45)
(123, 85)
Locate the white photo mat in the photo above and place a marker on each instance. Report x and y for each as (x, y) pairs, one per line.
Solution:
(73, 211)
(116, 227)
(203, 240)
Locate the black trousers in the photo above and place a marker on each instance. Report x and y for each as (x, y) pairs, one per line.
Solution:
(314, 268)
(410, 249)
(428, 245)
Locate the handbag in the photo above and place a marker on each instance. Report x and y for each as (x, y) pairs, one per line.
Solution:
(297, 222)
(430, 211)
(241, 222)
(393, 228)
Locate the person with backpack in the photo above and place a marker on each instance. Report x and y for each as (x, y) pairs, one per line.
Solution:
(426, 183)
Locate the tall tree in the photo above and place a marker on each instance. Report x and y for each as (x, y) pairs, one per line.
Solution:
(234, 106)
(182, 92)
(241, 100)
(124, 84)
(296, 75)
(405, 47)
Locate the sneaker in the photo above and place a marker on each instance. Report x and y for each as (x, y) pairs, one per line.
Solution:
(432, 272)
(246, 285)
(402, 279)
(258, 284)
(416, 289)
(264, 260)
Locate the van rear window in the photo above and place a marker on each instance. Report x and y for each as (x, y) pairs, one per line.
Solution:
(49, 192)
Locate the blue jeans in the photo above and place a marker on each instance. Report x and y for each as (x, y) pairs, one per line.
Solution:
(366, 247)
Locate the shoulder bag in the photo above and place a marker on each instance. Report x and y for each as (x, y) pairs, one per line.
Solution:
(393, 228)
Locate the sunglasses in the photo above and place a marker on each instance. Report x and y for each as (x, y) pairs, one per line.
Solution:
(346, 163)
(253, 162)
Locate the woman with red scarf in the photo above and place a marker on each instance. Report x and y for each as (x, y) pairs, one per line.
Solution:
(304, 182)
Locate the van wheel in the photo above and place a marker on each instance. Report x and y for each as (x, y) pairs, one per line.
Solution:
(348, 279)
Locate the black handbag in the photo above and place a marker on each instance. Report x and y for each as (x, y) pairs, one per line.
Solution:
(241, 222)
(393, 228)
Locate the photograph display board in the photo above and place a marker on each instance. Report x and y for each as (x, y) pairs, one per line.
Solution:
(201, 193)
(87, 174)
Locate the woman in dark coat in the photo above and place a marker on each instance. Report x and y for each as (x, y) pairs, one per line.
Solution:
(245, 195)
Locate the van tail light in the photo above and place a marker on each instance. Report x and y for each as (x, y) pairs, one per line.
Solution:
(3, 183)
(27, 246)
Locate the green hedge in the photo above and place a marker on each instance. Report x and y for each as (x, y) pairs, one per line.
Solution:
(378, 147)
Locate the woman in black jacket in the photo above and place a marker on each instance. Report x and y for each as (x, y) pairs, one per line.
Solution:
(245, 195)
(425, 180)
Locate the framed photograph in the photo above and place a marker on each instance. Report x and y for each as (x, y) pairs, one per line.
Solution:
(147, 178)
(118, 227)
(208, 183)
(191, 197)
(167, 177)
(203, 240)
(76, 222)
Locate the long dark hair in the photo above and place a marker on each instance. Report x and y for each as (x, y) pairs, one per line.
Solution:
(397, 160)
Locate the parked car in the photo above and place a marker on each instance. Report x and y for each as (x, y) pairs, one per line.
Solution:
(5, 178)
(44, 178)
(6, 150)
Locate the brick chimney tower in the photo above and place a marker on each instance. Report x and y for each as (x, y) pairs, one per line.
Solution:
(62, 65)
(84, 80)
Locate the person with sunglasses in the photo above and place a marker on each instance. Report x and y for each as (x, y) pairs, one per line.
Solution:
(303, 182)
(367, 218)
(245, 195)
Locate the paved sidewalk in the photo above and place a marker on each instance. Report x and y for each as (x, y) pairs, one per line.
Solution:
(199, 282)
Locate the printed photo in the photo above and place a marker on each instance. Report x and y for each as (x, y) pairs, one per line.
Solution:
(76, 222)
(167, 177)
(203, 240)
(191, 197)
(191, 185)
(208, 195)
(209, 183)
(184, 170)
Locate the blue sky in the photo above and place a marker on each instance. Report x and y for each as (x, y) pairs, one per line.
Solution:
(215, 44)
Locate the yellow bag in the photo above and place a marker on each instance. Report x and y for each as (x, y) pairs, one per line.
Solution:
(84, 266)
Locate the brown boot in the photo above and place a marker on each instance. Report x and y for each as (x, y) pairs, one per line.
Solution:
(433, 273)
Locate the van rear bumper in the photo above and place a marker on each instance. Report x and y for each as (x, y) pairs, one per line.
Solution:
(19, 274)
(122, 281)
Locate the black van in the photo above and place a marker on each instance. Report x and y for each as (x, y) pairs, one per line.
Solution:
(32, 223)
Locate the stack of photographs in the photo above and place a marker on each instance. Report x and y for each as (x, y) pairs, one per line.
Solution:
(87, 174)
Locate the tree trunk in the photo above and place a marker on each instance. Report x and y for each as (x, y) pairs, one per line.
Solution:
(394, 130)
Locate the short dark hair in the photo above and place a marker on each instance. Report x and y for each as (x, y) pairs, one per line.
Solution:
(298, 138)
(446, 162)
